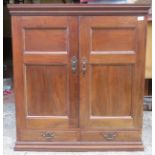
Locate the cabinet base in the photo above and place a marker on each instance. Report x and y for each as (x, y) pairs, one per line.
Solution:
(79, 146)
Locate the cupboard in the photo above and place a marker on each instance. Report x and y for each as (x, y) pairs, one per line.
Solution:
(79, 76)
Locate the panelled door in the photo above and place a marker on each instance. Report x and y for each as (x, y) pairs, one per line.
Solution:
(46, 71)
(111, 61)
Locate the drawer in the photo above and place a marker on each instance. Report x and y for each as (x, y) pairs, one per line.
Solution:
(48, 135)
(110, 135)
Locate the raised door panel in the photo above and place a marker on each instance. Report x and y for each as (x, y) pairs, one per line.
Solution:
(43, 49)
(110, 57)
(35, 39)
(47, 90)
(110, 89)
(113, 37)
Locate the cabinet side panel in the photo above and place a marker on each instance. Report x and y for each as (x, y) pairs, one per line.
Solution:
(18, 73)
(140, 72)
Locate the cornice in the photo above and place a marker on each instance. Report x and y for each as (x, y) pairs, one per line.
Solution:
(77, 9)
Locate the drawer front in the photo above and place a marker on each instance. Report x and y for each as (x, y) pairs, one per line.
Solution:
(57, 136)
(110, 136)
(48, 135)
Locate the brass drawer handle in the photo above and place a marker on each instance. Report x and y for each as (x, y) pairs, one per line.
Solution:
(74, 63)
(48, 135)
(84, 65)
(110, 136)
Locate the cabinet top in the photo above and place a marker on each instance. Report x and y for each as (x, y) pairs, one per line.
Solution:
(77, 9)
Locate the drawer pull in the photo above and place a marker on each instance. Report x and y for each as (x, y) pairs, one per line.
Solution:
(110, 136)
(48, 135)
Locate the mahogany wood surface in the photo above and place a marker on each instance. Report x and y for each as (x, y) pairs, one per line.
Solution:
(108, 88)
(79, 76)
(78, 9)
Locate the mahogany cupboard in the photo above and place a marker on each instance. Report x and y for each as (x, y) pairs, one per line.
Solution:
(79, 76)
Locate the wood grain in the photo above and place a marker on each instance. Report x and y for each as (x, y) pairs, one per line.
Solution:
(104, 100)
(35, 39)
(44, 98)
(48, 96)
(78, 9)
(113, 36)
(59, 147)
(97, 107)
(107, 87)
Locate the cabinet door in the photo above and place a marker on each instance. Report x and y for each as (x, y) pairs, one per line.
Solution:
(46, 86)
(112, 51)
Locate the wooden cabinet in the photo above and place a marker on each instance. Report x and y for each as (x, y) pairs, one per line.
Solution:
(79, 76)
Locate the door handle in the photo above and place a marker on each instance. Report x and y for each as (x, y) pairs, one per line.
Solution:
(84, 65)
(74, 63)
(110, 136)
(48, 135)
